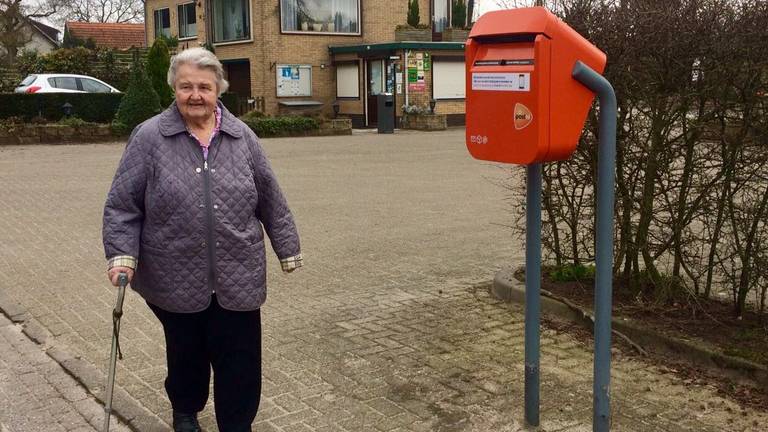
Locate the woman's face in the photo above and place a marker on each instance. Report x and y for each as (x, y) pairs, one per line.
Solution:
(196, 92)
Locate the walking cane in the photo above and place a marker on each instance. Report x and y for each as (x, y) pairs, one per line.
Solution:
(117, 313)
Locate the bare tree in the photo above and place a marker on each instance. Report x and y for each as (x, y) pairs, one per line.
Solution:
(103, 11)
(16, 26)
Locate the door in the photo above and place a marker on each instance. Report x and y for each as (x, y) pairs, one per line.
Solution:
(376, 82)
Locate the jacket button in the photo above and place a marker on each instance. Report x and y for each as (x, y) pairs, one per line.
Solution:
(213, 170)
(217, 243)
(203, 244)
(215, 206)
(198, 170)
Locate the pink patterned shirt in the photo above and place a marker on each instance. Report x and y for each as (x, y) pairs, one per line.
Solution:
(216, 130)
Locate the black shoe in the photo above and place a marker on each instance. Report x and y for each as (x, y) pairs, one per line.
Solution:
(185, 422)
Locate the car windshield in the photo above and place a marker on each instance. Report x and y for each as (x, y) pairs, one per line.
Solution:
(28, 80)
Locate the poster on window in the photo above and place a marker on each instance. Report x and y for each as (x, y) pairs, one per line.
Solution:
(294, 80)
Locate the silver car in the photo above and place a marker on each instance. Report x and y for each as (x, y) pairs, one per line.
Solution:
(63, 83)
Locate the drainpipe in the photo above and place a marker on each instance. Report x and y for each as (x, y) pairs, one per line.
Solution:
(405, 80)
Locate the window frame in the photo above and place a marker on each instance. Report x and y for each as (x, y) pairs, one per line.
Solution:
(355, 63)
(154, 19)
(249, 38)
(179, 16)
(325, 33)
(82, 81)
(55, 83)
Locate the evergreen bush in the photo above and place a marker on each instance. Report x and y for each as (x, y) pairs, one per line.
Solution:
(91, 107)
(413, 13)
(267, 127)
(139, 103)
(158, 62)
(458, 14)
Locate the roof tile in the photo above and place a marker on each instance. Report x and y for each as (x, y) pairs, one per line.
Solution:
(109, 35)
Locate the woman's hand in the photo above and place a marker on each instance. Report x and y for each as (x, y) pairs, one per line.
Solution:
(114, 273)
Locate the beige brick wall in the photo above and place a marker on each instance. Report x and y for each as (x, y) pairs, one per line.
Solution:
(270, 47)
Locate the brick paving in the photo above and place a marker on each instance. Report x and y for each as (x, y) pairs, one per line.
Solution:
(37, 395)
(389, 327)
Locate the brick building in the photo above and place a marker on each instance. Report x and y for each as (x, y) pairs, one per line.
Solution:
(323, 55)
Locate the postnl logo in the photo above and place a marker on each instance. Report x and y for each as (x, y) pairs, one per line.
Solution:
(523, 116)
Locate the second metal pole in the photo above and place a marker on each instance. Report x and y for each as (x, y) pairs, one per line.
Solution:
(606, 178)
(532, 292)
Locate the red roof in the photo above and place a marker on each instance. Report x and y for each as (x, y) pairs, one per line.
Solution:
(109, 35)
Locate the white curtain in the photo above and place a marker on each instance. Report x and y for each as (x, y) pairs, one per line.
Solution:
(289, 9)
(441, 15)
(231, 20)
(343, 14)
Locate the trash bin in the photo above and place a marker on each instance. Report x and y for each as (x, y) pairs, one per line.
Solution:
(386, 113)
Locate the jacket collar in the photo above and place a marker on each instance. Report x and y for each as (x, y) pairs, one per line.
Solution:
(171, 122)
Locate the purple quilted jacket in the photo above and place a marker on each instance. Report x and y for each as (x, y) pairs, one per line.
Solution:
(196, 226)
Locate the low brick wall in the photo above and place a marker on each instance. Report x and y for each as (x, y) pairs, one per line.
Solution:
(55, 134)
(337, 126)
(425, 122)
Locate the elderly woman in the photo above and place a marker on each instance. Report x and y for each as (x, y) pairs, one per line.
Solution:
(185, 213)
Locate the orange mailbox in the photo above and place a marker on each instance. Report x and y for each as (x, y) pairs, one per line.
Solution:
(523, 106)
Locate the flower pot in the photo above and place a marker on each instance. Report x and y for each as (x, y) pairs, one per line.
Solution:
(317, 27)
(331, 27)
(304, 26)
(413, 34)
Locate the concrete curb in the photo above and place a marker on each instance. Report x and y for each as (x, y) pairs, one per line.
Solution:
(124, 407)
(506, 287)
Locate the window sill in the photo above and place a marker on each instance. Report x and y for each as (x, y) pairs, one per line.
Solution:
(319, 33)
(182, 39)
(235, 42)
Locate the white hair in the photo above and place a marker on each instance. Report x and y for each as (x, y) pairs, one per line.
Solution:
(201, 58)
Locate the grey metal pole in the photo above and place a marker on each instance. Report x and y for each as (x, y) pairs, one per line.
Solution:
(117, 312)
(606, 178)
(532, 292)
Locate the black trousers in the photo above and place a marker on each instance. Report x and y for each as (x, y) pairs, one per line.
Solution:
(228, 341)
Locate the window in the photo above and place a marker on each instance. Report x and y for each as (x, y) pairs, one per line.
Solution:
(28, 80)
(162, 23)
(441, 8)
(231, 20)
(448, 77)
(66, 83)
(187, 21)
(325, 16)
(347, 80)
(294, 80)
(92, 86)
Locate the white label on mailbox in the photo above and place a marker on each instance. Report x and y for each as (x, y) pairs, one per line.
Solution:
(520, 82)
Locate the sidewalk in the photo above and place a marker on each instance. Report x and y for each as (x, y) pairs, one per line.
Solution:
(37, 395)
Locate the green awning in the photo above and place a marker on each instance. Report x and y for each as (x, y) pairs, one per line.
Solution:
(394, 46)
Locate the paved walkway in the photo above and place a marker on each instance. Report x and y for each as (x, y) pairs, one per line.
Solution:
(37, 395)
(387, 328)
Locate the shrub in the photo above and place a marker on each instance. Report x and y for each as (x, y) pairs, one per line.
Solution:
(139, 103)
(413, 13)
(73, 121)
(572, 273)
(68, 61)
(110, 70)
(158, 62)
(93, 107)
(266, 127)
(458, 14)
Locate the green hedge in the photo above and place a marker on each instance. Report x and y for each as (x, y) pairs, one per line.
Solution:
(91, 107)
(267, 127)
